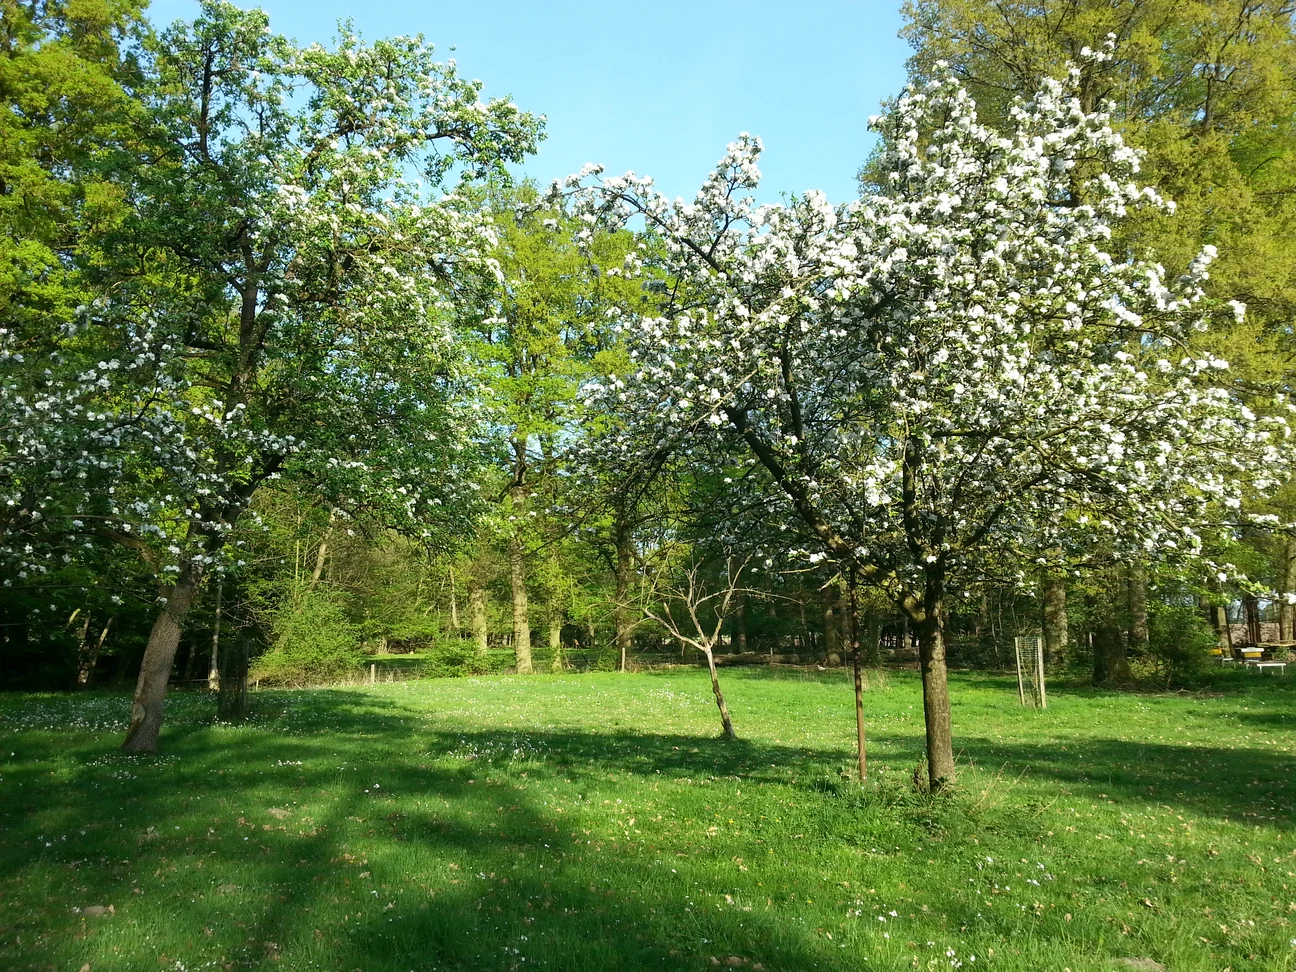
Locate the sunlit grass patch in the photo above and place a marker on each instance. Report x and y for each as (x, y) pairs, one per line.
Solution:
(598, 822)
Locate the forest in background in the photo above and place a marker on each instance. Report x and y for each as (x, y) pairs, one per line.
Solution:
(292, 370)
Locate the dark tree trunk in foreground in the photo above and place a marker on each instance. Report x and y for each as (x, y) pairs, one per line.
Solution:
(159, 655)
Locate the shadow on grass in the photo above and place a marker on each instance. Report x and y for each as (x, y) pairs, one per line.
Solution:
(395, 846)
(1245, 785)
(310, 846)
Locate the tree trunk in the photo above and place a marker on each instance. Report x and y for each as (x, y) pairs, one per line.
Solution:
(621, 610)
(521, 622)
(1053, 600)
(873, 640)
(1111, 663)
(1136, 581)
(935, 679)
(191, 662)
(1251, 606)
(984, 626)
(740, 625)
(1217, 614)
(85, 671)
(231, 700)
(555, 640)
(477, 618)
(83, 641)
(1286, 611)
(725, 721)
(861, 748)
(829, 627)
(155, 668)
(454, 604)
(213, 666)
(321, 555)
(1218, 618)
(842, 614)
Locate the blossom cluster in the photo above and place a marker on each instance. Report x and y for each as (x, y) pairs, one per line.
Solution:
(953, 371)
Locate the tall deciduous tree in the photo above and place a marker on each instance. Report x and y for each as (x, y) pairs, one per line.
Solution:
(66, 73)
(941, 371)
(67, 122)
(541, 329)
(1204, 89)
(279, 313)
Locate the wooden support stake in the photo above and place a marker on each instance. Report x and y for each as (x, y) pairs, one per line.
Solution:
(1043, 700)
(1021, 687)
(862, 749)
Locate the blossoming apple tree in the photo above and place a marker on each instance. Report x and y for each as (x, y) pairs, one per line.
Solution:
(951, 369)
(279, 301)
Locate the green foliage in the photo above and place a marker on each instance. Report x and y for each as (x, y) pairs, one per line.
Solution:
(314, 642)
(458, 657)
(1178, 638)
(65, 120)
(273, 287)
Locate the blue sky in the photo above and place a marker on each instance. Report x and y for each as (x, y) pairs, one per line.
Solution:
(657, 87)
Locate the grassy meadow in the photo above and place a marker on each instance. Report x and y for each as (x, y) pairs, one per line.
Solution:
(597, 822)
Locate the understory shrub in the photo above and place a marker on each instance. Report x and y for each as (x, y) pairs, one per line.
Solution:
(457, 657)
(314, 641)
(1179, 638)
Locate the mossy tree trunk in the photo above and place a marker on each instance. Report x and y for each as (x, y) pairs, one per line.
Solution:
(1136, 585)
(477, 618)
(521, 619)
(1053, 600)
(555, 639)
(1111, 661)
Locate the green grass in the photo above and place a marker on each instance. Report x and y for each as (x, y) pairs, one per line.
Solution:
(597, 822)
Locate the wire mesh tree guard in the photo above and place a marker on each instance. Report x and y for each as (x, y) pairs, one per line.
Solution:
(1030, 671)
